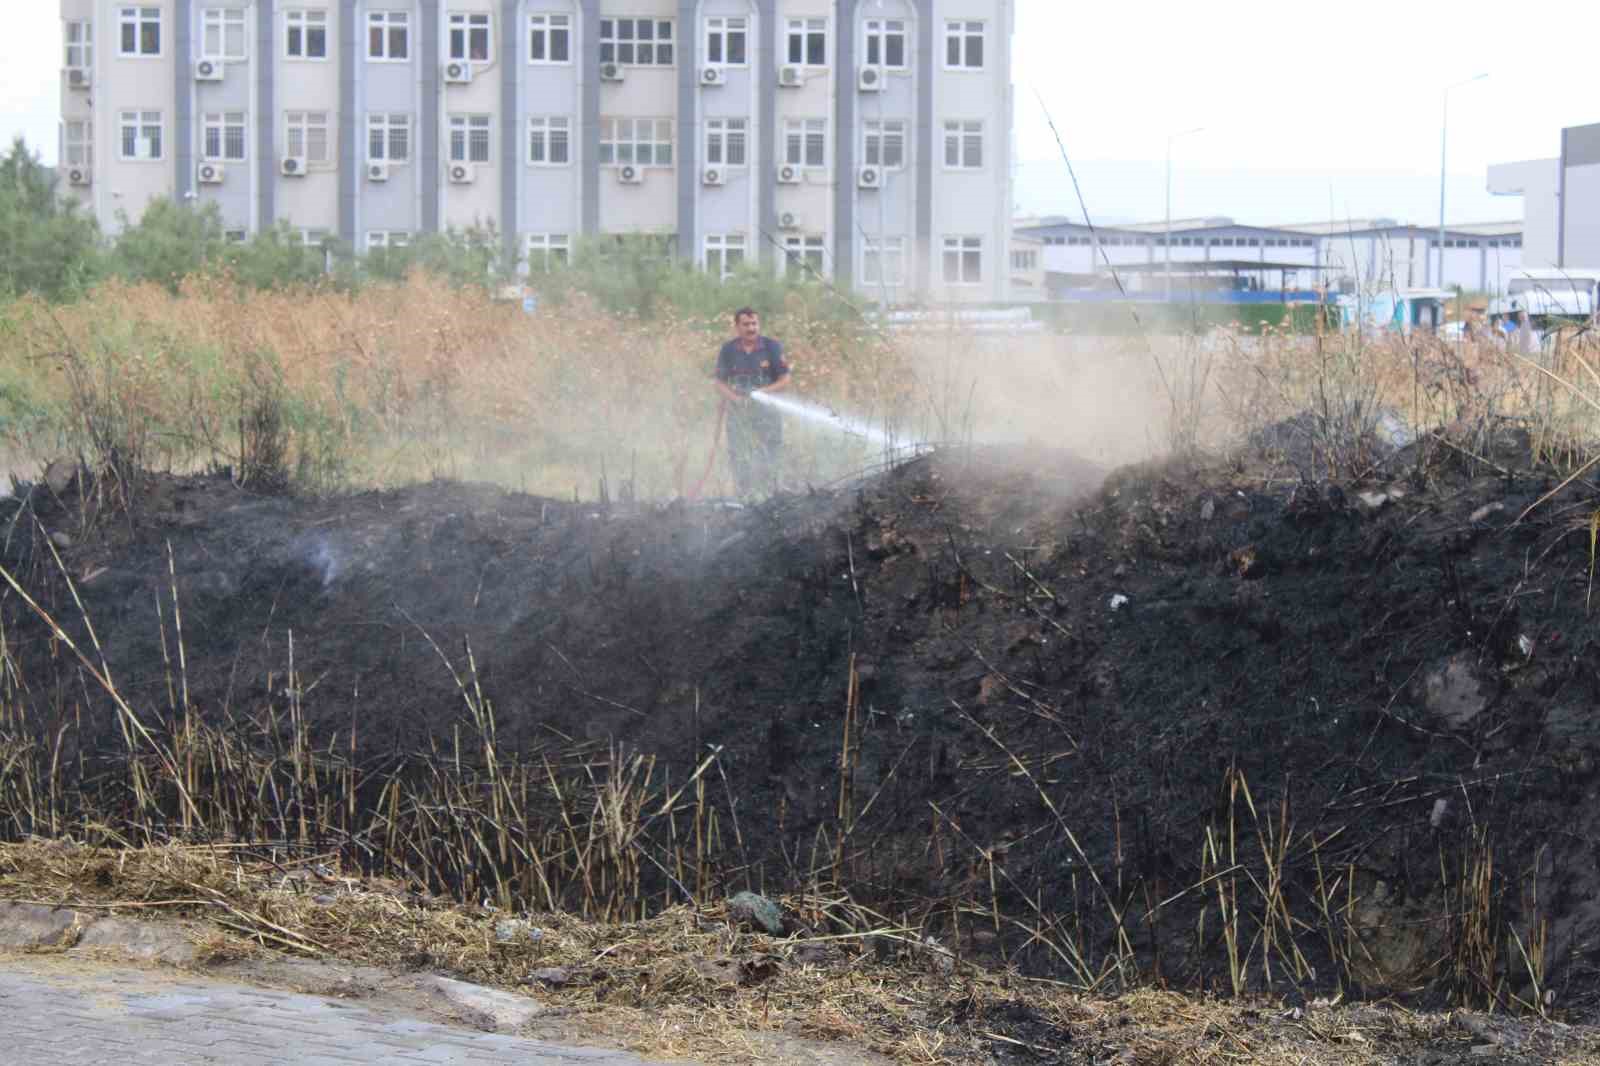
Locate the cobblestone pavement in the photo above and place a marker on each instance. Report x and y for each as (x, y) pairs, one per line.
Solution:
(104, 1014)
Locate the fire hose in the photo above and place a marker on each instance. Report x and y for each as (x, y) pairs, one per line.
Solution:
(711, 457)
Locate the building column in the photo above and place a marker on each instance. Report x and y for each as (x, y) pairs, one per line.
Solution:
(765, 71)
(266, 106)
(588, 62)
(429, 54)
(845, 192)
(182, 99)
(688, 147)
(350, 155)
(513, 32)
(925, 137)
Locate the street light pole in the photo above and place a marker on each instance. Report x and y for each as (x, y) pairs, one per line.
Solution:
(1166, 242)
(1444, 134)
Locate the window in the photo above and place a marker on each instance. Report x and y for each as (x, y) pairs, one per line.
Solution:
(805, 142)
(883, 261)
(963, 145)
(547, 250)
(224, 136)
(803, 256)
(305, 135)
(883, 143)
(469, 138)
(236, 236)
(1024, 260)
(808, 42)
(724, 254)
(387, 238)
(963, 260)
(141, 134)
(305, 238)
(963, 45)
(726, 141)
(389, 36)
(388, 137)
(141, 30)
(222, 35)
(643, 141)
(469, 37)
(77, 144)
(885, 43)
(549, 38)
(305, 34)
(79, 35)
(549, 140)
(726, 39)
(636, 42)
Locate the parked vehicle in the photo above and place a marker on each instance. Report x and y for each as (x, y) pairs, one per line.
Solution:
(1544, 297)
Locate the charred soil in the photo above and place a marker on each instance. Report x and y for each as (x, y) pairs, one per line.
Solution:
(1203, 723)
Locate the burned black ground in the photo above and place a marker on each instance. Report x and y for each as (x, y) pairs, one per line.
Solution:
(1064, 680)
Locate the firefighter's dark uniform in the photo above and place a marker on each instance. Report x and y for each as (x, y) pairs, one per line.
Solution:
(755, 431)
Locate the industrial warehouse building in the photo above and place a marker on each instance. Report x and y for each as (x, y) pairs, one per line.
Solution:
(866, 141)
(1351, 255)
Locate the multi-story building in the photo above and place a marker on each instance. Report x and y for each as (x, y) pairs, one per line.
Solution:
(866, 140)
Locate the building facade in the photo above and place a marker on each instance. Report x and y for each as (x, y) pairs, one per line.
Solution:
(868, 141)
(1560, 200)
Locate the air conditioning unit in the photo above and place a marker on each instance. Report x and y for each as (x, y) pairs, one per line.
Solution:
(378, 171)
(869, 178)
(789, 77)
(208, 70)
(629, 174)
(79, 176)
(458, 72)
(610, 72)
(870, 79)
(788, 220)
(462, 174)
(714, 176)
(293, 166)
(788, 174)
(210, 173)
(713, 76)
(79, 78)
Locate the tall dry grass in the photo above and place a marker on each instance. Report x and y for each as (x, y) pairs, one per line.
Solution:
(394, 384)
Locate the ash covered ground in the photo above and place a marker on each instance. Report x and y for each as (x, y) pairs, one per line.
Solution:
(1065, 678)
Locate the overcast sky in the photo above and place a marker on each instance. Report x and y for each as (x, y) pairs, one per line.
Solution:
(1310, 111)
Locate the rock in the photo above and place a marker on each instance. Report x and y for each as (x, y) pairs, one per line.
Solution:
(747, 908)
(512, 930)
(1485, 511)
(558, 976)
(60, 475)
(1373, 502)
(502, 1010)
(1208, 509)
(31, 925)
(146, 941)
(61, 539)
(1453, 692)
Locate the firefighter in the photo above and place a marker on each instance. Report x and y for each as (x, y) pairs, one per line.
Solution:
(747, 364)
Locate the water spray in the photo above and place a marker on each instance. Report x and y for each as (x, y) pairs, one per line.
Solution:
(822, 416)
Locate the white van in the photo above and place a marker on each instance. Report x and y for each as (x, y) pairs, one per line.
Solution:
(1547, 295)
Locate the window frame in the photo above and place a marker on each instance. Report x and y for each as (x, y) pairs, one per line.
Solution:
(803, 125)
(881, 134)
(468, 124)
(390, 20)
(720, 132)
(613, 123)
(884, 251)
(138, 16)
(799, 29)
(876, 31)
(140, 123)
(466, 25)
(388, 241)
(221, 20)
(721, 28)
(616, 41)
(1024, 260)
(960, 138)
(723, 246)
(383, 123)
(961, 246)
(807, 244)
(84, 144)
(84, 45)
(959, 32)
(541, 130)
(305, 23)
(308, 122)
(548, 245)
(219, 121)
(544, 24)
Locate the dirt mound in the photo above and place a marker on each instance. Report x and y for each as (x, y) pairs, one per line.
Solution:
(1073, 718)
